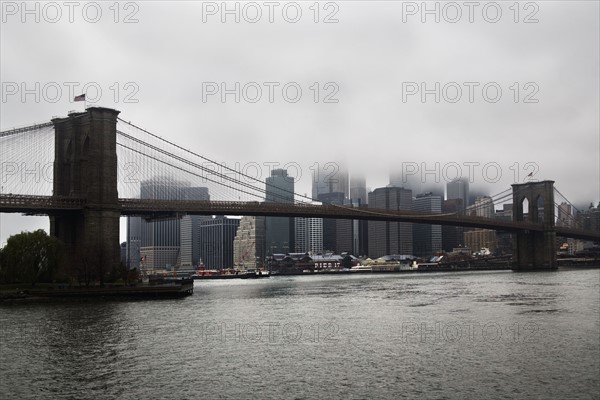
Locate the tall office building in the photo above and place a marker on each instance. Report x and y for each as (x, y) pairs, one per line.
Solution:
(503, 238)
(458, 189)
(309, 235)
(330, 177)
(279, 230)
(359, 199)
(477, 238)
(406, 180)
(565, 215)
(249, 243)
(358, 189)
(331, 186)
(452, 236)
(337, 233)
(133, 243)
(386, 237)
(160, 240)
(483, 207)
(190, 241)
(457, 200)
(427, 239)
(216, 235)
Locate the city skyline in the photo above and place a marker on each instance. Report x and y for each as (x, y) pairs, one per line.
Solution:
(375, 127)
(34, 222)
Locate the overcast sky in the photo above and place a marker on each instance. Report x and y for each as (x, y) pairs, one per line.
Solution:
(165, 70)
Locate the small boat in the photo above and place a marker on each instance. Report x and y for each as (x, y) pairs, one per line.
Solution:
(361, 268)
(255, 274)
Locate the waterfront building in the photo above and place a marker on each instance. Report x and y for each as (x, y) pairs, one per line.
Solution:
(480, 238)
(249, 243)
(216, 235)
(309, 235)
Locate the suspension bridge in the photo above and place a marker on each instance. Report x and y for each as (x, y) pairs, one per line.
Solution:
(85, 171)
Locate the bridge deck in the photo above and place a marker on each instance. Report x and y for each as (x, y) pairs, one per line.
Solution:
(173, 208)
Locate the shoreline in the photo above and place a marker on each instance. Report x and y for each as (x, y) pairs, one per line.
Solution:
(185, 287)
(173, 289)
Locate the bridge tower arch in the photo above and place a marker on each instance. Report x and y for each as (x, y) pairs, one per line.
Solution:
(85, 167)
(533, 250)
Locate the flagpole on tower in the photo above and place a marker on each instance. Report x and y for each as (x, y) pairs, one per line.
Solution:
(81, 97)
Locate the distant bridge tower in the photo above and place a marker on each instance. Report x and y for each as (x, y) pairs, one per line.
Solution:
(534, 250)
(85, 167)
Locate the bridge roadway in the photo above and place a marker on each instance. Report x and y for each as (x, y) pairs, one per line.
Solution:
(159, 209)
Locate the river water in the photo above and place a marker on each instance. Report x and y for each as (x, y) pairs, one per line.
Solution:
(477, 335)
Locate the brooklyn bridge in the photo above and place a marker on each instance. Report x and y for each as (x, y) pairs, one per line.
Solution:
(97, 161)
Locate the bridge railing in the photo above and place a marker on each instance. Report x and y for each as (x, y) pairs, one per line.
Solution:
(31, 202)
(148, 207)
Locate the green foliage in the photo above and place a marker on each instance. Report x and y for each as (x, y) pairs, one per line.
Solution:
(31, 257)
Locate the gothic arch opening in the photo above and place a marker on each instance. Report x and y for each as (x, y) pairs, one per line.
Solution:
(525, 209)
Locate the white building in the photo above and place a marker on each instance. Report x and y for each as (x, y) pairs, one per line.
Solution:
(309, 235)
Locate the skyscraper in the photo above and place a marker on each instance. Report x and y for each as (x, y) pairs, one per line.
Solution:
(458, 189)
(309, 235)
(249, 243)
(330, 177)
(386, 237)
(358, 189)
(279, 230)
(402, 179)
(160, 240)
(452, 236)
(483, 207)
(189, 257)
(359, 199)
(216, 235)
(337, 233)
(427, 239)
(476, 238)
(565, 215)
(133, 243)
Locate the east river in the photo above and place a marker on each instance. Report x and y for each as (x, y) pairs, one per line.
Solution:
(472, 335)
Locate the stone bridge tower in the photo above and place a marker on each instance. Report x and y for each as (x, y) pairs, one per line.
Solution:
(85, 167)
(534, 250)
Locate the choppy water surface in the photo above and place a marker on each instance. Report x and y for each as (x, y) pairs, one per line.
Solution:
(488, 335)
